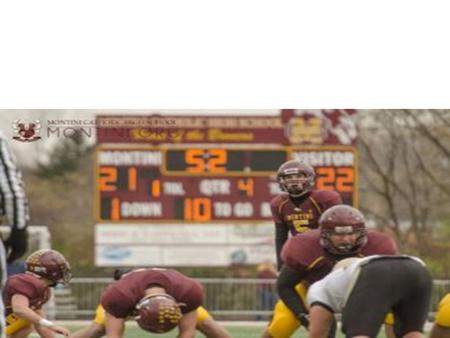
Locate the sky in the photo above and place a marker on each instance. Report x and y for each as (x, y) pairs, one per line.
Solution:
(232, 54)
(216, 57)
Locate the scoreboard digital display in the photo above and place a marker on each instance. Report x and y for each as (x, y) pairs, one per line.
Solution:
(207, 184)
(195, 189)
(195, 184)
(219, 161)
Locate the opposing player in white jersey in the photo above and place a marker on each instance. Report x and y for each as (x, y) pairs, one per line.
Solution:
(364, 290)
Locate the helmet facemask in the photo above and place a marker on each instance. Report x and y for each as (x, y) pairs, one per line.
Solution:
(66, 274)
(344, 248)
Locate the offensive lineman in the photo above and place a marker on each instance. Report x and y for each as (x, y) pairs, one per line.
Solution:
(26, 293)
(160, 299)
(298, 208)
(310, 256)
(205, 323)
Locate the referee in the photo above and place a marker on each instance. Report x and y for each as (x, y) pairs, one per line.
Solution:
(14, 209)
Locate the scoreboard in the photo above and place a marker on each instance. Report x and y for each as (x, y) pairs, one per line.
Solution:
(191, 184)
(213, 169)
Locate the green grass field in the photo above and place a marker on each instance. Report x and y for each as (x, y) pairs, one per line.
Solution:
(247, 331)
(236, 332)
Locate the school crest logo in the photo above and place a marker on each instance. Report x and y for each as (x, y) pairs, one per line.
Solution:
(26, 131)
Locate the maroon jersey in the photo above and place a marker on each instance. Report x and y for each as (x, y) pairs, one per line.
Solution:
(120, 298)
(28, 285)
(305, 255)
(299, 215)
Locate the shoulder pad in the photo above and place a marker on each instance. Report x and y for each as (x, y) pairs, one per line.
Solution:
(301, 250)
(379, 244)
(278, 199)
(325, 195)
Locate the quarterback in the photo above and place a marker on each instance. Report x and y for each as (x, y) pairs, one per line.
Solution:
(298, 208)
(310, 256)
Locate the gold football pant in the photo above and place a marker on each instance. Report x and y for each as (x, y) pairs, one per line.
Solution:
(284, 323)
(443, 312)
(15, 324)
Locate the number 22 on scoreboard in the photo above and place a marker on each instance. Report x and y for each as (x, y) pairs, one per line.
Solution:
(341, 179)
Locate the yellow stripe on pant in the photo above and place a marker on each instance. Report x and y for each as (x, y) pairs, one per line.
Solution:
(15, 324)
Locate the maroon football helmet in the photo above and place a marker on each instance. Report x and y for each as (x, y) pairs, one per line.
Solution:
(299, 185)
(49, 264)
(158, 313)
(340, 220)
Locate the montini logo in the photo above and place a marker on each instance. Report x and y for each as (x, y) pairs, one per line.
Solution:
(26, 131)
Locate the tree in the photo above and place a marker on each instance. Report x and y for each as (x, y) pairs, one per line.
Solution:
(65, 156)
(405, 156)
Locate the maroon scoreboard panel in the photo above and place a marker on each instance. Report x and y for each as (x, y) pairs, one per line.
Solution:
(191, 170)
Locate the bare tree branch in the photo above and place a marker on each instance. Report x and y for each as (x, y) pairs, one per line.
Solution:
(428, 173)
(428, 134)
(403, 166)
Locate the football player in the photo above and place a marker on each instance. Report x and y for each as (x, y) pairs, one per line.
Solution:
(310, 256)
(364, 290)
(298, 208)
(159, 300)
(26, 293)
(441, 327)
(205, 323)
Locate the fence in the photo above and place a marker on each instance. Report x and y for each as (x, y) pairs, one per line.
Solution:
(225, 298)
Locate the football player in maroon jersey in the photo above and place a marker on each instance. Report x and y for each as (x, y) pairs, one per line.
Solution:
(298, 208)
(26, 293)
(96, 329)
(310, 256)
(159, 300)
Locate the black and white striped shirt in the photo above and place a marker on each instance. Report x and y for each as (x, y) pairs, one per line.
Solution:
(13, 201)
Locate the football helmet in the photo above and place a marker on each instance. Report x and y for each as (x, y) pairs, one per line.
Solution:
(341, 220)
(295, 177)
(49, 264)
(158, 313)
(119, 272)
